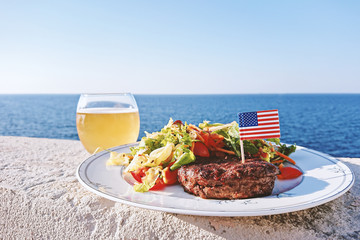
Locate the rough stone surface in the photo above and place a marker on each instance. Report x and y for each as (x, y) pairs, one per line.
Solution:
(40, 198)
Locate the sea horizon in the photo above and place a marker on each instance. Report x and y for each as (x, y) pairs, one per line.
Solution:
(326, 122)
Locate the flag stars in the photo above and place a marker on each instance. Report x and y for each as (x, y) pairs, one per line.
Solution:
(248, 119)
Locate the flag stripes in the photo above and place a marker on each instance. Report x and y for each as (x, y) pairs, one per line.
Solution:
(259, 125)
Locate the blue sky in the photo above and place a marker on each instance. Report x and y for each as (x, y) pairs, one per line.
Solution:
(180, 46)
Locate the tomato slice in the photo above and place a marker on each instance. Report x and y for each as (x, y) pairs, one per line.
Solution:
(169, 177)
(136, 176)
(158, 185)
(205, 137)
(179, 122)
(201, 150)
(139, 173)
(211, 143)
(289, 173)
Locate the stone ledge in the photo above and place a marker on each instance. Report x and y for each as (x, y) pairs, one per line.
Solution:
(40, 197)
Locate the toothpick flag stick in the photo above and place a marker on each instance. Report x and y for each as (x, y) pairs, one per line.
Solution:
(258, 125)
(242, 151)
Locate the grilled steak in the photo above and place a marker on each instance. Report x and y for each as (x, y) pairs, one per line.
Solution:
(228, 178)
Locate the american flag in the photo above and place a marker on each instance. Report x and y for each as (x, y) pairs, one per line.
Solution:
(259, 125)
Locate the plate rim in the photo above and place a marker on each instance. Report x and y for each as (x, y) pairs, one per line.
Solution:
(263, 212)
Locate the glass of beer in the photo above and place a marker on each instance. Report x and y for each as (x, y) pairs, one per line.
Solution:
(107, 120)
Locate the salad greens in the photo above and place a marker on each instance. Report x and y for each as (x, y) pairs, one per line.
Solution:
(174, 133)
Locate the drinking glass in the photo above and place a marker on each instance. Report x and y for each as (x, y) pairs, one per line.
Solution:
(107, 120)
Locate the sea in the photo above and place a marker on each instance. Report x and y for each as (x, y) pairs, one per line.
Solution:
(329, 123)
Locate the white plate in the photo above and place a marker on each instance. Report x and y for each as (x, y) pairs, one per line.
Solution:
(325, 178)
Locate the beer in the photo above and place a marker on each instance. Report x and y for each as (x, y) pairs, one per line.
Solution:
(107, 127)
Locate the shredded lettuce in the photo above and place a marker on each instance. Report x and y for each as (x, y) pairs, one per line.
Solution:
(207, 124)
(171, 133)
(274, 140)
(142, 187)
(286, 150)
(230, 132)
(250, 147)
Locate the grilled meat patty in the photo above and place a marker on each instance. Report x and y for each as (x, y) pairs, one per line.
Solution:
(228, 178)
